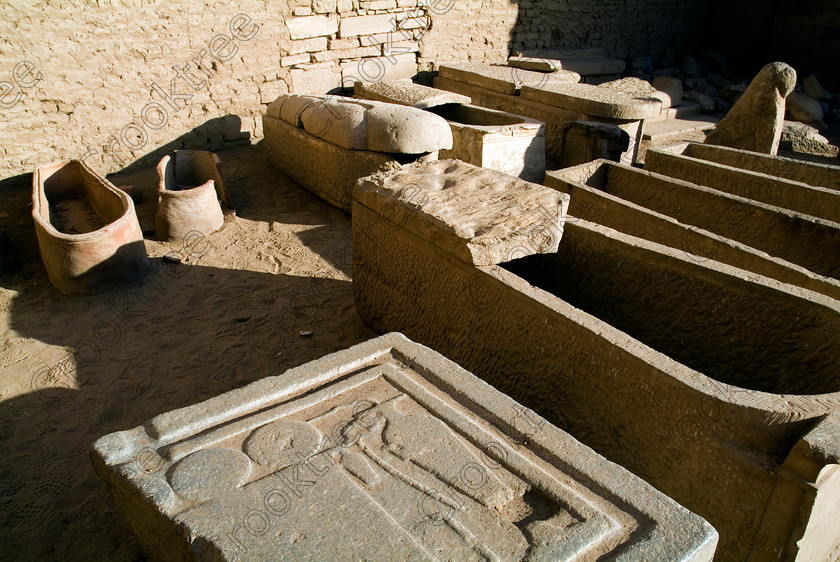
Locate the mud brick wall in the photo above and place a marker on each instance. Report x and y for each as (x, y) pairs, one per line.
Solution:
(120, 82)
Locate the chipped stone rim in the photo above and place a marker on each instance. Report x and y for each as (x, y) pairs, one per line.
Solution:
(127, 217)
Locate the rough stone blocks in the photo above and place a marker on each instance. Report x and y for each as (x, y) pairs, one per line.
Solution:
(384, 451)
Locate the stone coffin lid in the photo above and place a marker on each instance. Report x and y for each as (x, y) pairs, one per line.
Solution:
(586, 62)
(503, 79)
(358, 124)
(593, 100)
(406, 92)
(480, 216)
(383, 451)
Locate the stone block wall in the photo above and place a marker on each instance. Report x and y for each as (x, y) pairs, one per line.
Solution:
(118, 82)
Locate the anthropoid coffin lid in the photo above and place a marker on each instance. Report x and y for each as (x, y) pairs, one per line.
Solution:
(480, 216)
(388, 451)
(593, 100)
(406, 92)
(503, 79)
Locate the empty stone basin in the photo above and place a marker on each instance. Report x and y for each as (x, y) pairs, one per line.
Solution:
(510, 143)
(812, 173)
(87, 229)
(820, 202)
(485, 137)
(593, 188)
(190, 184)
(718, 386)
(801, 239)
(384, 451)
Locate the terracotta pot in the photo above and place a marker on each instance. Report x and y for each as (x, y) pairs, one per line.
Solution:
(182, 207)
(87, 229)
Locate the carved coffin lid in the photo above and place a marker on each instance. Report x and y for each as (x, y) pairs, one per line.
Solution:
(390, 451)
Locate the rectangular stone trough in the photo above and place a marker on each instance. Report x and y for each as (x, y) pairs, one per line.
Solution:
(718, 386)
(485, 137)
(556, 101)
(816, 201)
(812, 173)
(598, 190)
(384, 451)
(803, 240)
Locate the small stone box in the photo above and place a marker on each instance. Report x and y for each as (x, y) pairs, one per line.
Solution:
(385, 451)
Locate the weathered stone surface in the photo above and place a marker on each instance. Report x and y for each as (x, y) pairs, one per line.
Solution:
(755, 121)
(312, 26)
(503, 79)
(190, 184)
(406, 92)
(670, 90)
(555, 118)
(586, 62)
(535, 63)
(804, 139)
(593, 100)
(509, 143)
(87, 229)
(480, 216)
(376, 69)
(802, 198)
(323, 168)
(706, 104)
(640, 89)
(673, 368)
(585, 141)
(428, 461)
(615, 195)
(406, 130)
(364, 124)
(368, 25)
(314, 80)
(498, 140)
(799, 107)
(812, 173)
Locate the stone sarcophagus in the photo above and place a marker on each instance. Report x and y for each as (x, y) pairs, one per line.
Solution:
(554, 98)
(716, 385)
(385, 451)
(510, 143)
(613, 195)
(326, 143)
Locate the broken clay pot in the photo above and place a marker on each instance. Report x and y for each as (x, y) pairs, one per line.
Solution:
(87, 229)
(190, 186)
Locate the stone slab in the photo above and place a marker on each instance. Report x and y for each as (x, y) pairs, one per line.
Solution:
(592, 100)
(672, 129)
(820, 202)
(503, 79)
(312, 26)
(688, 373)
(535, 63)
(406, 92)
(383, 451)
(586, 62)
(376, 69)
(812, 173)
(327, 170)
(596, 189)
(480, 216)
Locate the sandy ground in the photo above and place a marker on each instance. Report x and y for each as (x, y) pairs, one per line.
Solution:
(76, 368)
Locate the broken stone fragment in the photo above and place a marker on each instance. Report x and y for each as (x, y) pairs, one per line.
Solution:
(755, 121)
(803, 108)
(802, 138)
(814, 89)
(669, 90)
